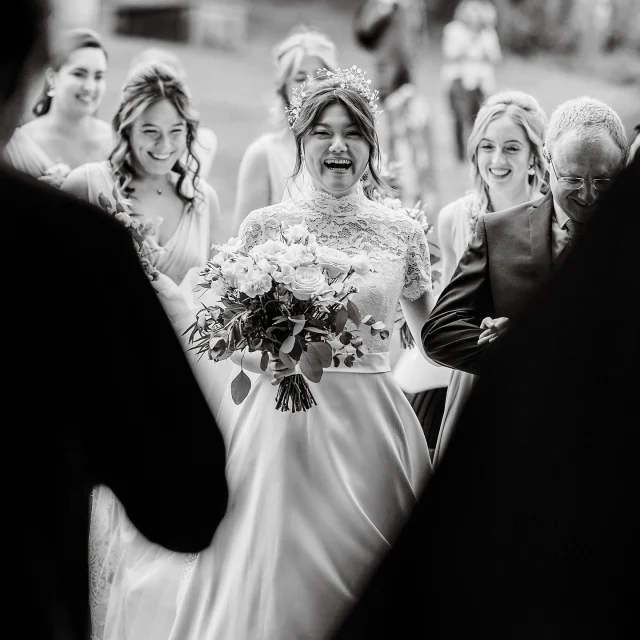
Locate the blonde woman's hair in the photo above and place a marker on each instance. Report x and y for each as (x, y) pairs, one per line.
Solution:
(157, 55)
(525, 111)
(146, 86)
(288, 56)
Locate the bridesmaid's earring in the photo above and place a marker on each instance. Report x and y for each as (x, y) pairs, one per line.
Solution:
(531, 170)
(51, 92)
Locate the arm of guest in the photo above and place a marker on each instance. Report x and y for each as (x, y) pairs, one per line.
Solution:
(253, 190)
(445, 238)
(216, 235)
(167, 466)
(450, 335)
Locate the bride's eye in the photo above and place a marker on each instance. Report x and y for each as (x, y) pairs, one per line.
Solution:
(320, 132)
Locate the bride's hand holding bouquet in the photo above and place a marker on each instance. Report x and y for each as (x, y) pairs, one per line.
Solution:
(290, 299)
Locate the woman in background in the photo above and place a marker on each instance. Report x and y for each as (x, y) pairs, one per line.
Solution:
(268, 162)
(507, 169)
(66, 132)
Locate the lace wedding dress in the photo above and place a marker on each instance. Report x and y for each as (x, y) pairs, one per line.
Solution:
(316, 497)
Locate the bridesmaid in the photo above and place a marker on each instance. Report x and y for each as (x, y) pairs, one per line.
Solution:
(153, 166)
(507, 169)
(269, 160)
(66, 131)
(206, 143)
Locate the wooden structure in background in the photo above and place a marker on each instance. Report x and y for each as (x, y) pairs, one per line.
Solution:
(207, 23)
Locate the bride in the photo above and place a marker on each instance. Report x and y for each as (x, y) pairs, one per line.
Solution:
(316, 498)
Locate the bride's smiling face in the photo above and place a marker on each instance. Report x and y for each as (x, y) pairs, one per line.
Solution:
(336, 153)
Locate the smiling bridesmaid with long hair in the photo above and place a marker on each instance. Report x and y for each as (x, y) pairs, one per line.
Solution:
(66, 131)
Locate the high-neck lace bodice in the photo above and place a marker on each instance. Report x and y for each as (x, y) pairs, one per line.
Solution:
(395, 244)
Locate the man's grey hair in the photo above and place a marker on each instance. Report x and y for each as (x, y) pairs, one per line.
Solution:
(591, 118)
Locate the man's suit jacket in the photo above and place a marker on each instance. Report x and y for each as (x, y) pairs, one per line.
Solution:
(506, 262)
(96, 391)
(528, 529)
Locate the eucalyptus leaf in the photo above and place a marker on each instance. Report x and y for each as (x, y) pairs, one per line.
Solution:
(104, 202)
(345, 337)
(354, 313)
(287, 345)
(323, 351)
(240, 387)
(341, 319)
(287, 360)
(378, 325)
(384, 334)
(336, 361)
(297, 327)
(349, 360)
(264, 361)
(311, 366)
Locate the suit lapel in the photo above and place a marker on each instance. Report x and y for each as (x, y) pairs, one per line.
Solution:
(540, 215)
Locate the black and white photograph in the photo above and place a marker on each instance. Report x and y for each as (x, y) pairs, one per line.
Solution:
(323, 319)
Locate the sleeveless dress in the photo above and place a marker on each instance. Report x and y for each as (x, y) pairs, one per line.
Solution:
(317, 497)
(23, 153)
(464, 213)
(190, 243)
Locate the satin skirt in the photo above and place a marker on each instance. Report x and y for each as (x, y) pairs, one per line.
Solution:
(316, 498)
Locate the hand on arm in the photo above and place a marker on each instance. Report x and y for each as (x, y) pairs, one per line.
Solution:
(451, 334)
(76, 184)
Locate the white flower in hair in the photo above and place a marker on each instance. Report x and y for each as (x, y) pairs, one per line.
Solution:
(353, 78)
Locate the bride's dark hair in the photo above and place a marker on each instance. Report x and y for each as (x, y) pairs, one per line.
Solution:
(324, 95)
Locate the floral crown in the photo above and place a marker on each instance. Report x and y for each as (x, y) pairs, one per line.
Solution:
(353, 78)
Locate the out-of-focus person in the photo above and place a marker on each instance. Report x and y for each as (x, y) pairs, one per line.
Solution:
(206, 142)
(66, 131)
(471, 50)
(268, 163)
(87, 401)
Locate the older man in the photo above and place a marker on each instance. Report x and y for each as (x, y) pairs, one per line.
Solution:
(96, 387)
(513, 252)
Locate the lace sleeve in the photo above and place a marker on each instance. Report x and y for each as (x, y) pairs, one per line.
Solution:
(260, 225)
(417, 277)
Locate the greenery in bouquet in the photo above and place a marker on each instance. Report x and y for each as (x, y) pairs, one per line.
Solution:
(139, 227)
(288, 298)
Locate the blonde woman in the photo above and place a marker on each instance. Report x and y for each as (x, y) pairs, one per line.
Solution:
(507, 169)
(268, 162)
(153, 166)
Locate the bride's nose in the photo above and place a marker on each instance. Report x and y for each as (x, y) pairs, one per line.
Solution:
(338, 144)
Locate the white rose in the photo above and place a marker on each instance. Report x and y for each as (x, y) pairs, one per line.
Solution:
(296, 233)
(218, 287)
(360, 264)
(307, 282)
(336, 262)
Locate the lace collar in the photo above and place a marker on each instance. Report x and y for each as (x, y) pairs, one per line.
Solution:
(334, 205)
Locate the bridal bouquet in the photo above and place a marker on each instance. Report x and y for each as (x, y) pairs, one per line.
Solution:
(289, 298)
(139, 227)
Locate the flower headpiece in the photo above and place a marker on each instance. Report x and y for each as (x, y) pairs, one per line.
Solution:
(353, 78)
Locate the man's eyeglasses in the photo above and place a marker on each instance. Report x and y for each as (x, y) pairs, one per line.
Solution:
(574, 183)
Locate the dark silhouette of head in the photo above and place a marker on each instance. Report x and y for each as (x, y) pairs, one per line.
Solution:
(24, 51)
